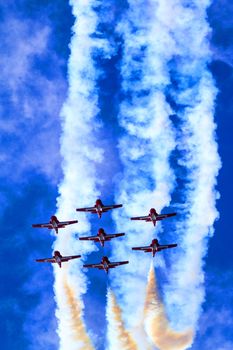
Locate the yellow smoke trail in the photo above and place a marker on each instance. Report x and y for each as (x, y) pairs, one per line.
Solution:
(118, 336)
(77, 325)
(71, 326)
(157, 324)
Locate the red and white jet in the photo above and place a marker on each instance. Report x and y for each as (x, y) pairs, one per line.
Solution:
(55, 224)
(153, 216)
(58, 258)
(101, 237)
(155, 247)
(105, 264)
(99, 208)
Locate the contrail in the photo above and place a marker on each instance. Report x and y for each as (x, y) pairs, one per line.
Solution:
(81, 157)
(145, 146)
(118, 336)
(157, 324)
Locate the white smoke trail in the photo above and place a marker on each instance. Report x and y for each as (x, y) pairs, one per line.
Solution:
(81, 155)
(156, 321)
(145, 148)
(196, 91)
(187, 278)
(118, 336)
(160, 36)
(72, 331)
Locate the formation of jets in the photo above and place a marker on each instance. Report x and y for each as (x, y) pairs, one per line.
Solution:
(99, 208)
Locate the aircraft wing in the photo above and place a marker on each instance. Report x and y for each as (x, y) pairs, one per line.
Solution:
(46, 225)
(98, 266)
(118, 263)
(161, 247)
(90, 209)
(141, 218)
(110, 236)
(90, 238)
(109, 207)
(146, 249)
(71, 257)
(164, 216)
(50, 260)
(64, 223)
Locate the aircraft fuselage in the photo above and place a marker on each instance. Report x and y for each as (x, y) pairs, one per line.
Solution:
(101, 235)
(154, 246)
(105, 263)
(54, 222)
(102, 239)
(57, 256)
(106, 266)
(99, 207)
(58, 260)
(153, 215)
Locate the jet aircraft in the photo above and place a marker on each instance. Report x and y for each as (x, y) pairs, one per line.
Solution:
(55, 224)
(105, 264)
(101, 237)
(153, 216)
(155, 247)
(99, 208)
(58, 258)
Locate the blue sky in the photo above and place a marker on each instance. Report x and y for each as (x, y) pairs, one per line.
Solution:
(33, 87)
